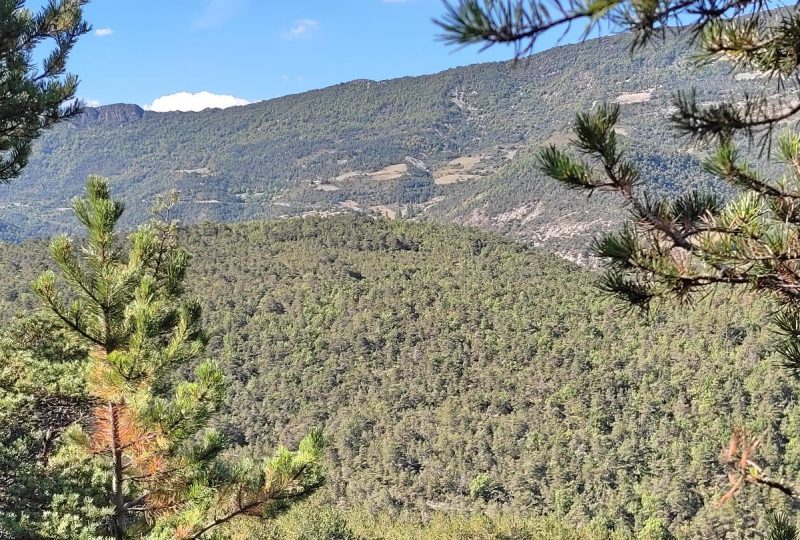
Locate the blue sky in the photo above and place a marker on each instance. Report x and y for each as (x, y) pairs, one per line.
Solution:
(141, 50)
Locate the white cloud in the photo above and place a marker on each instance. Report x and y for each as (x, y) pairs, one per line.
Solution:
(103, 32)
(301, 28)
(92, 103)
(187, 101)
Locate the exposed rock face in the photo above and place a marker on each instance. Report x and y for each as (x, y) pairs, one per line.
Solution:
(115, 115)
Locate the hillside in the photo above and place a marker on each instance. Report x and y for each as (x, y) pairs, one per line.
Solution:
(453, 147)
(457, 371)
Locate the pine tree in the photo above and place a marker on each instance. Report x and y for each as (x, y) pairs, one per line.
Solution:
(33, 98)
(41, 393)
(781, 528)
(36, 396)
(145, 453)
(687, 246)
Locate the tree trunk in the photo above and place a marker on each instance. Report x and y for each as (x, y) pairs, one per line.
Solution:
(116, 480)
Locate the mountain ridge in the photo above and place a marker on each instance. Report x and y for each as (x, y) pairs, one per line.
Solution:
(93, 111)
(456, 146)
(113, 114)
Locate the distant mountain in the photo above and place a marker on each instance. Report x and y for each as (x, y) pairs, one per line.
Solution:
(455, 146)
(110, 115)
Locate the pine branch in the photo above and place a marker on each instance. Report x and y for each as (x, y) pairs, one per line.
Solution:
(243, 509)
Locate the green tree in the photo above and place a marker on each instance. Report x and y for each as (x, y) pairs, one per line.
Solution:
(41, 393)
(687, 246)
(781, 528)
(34, 97)
(34, 402)
(144, 455)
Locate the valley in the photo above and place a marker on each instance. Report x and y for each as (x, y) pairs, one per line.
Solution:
(437, 355)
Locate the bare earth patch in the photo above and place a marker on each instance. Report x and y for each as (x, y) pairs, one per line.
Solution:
(457, 170)
(349, 175)
(201, 171)
(634, 97)
(351, 204)
(392, 172)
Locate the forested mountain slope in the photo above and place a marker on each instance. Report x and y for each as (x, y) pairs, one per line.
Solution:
(456, 371)
(455, 146)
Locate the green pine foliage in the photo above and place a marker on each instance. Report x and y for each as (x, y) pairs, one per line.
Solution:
(141, 459)
(41, 394)
(35, 97)
(319, 520)
(781, 527)
(434, 356)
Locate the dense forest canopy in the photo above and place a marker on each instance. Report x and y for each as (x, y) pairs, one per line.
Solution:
(456, 371)
(690, 244)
